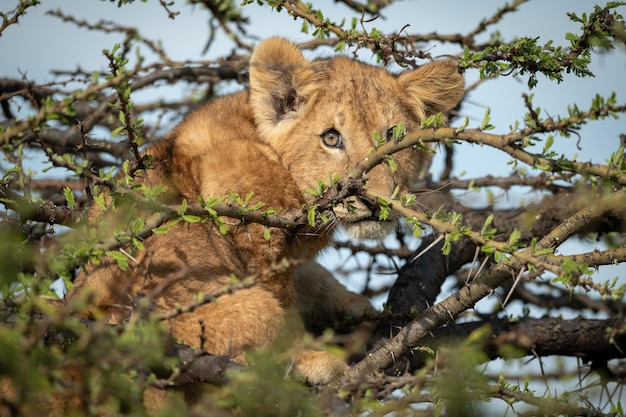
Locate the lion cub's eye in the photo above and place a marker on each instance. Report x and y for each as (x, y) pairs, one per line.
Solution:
(391, 133)
(332, 139)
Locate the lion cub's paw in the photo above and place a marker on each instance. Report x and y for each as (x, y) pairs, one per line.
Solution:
(355, 305)
(317, 367)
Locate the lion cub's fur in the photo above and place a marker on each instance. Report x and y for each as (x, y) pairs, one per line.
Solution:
(271, 139)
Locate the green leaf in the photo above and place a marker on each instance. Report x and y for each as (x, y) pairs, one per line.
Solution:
(138, 244)
(429, 122)
(392, 164)
(487, 231)
(544, 252)
(377, 139)
(499, 257)
(117, 130)
(399, 131)
(548, 144)
(385, 209)
(484, 125)
(69, 196)
(119, 258)
(189, 218)
(487, 249)
(543, 166)
(396, 191)
(447, 246)
(100, 200)
(408, 199)
(462, 127)
(514, 239)
(311, 215)
(164, 228)
(415, 226)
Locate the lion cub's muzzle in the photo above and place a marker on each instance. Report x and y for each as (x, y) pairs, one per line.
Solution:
(360, 217)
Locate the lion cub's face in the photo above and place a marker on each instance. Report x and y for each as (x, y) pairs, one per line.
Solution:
(320, 117)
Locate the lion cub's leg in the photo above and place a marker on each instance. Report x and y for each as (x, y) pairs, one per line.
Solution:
(322, 300)
(245, 320)
(249, 320)
(317, 367)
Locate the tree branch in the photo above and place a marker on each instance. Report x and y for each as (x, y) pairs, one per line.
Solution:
(447, 310)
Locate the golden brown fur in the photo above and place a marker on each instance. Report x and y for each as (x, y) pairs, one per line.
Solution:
(268, 140)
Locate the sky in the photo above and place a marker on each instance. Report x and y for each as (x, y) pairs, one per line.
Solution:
(42, 43)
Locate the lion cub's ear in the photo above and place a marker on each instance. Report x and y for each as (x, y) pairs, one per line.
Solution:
(281, 80)
(433, 88)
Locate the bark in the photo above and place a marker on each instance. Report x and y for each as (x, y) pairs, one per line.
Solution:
(585, 338)
(39, 212)
(202, 367)
(419, 282)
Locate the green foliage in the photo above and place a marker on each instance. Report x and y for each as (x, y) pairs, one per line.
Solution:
(391, 163)
(96, 368)
(461, 384)
(311, 214)
(378, 139)
(434, 121)
(487, 231)
(526, 56)
(319, 190)
(385, 208)
(263, 390)
(16, 253)
(485, 125)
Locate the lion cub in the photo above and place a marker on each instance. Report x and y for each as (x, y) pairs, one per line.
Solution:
(297, 123)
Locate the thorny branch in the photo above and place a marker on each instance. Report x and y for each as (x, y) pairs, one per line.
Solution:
(509, 143)
(13, 16)
(447, 310)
